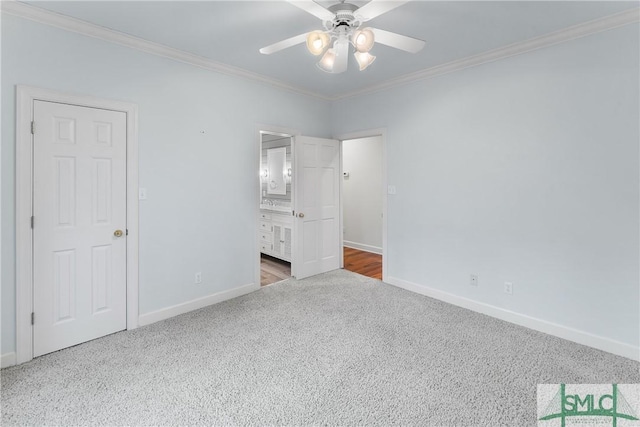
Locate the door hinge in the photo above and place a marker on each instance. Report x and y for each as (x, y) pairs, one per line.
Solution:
(33, 318)
(126, 232)
(31, 221)
(33, 128)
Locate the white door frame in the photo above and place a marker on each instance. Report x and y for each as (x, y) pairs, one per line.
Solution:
(382, 133)
(276, 130)
(26, 95)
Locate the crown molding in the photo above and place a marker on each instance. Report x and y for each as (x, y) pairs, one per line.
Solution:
(610, 22)
(64, 22)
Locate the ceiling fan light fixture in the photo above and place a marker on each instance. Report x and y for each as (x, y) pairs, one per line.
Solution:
(342, 23)
(364, 59)
(317, 41)
(328, 60)
(363, 39)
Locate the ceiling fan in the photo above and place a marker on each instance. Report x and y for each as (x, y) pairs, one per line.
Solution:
(343, 25)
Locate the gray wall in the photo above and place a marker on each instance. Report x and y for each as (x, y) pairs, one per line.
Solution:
(522, 170)
(202, 187)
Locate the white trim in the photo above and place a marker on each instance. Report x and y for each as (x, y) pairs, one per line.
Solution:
(46, 17)
(2, 244)
(185, 307)
(362, 247)
(341, 201)
(560, 331)
(68, 23)
(617, 20)
(26, 95)
(8, 359)
(24, 250)
(382, 133)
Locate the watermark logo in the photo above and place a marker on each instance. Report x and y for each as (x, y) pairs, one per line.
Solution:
(588, 405)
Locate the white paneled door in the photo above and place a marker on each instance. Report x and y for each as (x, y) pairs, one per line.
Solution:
(79, 228)
(317, 205)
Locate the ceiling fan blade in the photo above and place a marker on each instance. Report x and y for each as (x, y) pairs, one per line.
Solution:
(342, 56)
(408, 44)
(314, 8)
(377, 7)
(276, 47)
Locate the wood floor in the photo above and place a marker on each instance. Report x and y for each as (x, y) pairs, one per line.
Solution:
(273, 270)
(361, 262)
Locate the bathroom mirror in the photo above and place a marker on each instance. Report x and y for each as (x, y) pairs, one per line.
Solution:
(276, 170)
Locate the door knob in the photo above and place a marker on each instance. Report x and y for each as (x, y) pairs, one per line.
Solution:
(117, 233)
(300, 215)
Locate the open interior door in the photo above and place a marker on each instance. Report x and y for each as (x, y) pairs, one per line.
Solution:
(317, 206)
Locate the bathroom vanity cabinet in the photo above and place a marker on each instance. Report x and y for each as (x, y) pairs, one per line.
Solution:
(275, 234)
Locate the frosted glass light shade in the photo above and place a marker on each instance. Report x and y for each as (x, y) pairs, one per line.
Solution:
(364, 59)
(363, 40)
(327, 61)
(317, 41)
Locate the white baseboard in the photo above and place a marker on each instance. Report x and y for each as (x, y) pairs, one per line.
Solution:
(362, 247)
(7, 359)
(185, 307)
(564, 332)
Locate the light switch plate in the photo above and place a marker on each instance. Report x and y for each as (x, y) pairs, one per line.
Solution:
(391, 189)
(142, 194)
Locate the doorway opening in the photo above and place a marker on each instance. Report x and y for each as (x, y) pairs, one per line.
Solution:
(363, 205)
(299, 212)
(275, 227)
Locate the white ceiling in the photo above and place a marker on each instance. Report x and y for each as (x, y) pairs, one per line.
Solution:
(231, 32)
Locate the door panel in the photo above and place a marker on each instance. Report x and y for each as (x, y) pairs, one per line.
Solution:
(317, 198)
(79, 200)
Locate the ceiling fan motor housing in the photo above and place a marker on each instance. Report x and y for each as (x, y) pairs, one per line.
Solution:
(344, 17)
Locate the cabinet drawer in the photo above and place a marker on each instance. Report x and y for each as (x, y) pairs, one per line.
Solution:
(266, 237)
(264, 215)
(285, 219)
(265, 247)
(265, 226)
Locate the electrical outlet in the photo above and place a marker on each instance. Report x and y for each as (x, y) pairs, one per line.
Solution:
(391, 189)
(508, 288)
(473, 281)
(198, 278)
